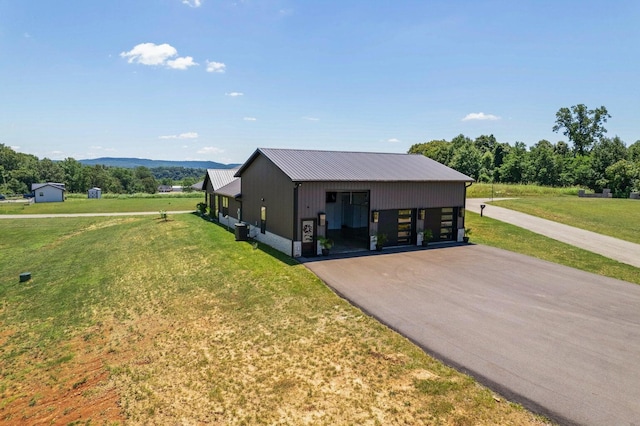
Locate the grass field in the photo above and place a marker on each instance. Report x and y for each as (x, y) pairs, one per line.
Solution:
(127, 204)
(619, 218)
(503, 190)
(137, 320)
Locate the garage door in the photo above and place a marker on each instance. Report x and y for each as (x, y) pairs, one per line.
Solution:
(398, 225)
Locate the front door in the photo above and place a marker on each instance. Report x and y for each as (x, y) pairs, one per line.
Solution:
(308, 237)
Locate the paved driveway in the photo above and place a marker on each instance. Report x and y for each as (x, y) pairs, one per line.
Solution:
(562, 342)
(613, 248)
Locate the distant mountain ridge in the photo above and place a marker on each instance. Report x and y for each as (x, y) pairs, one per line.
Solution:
(130, 163)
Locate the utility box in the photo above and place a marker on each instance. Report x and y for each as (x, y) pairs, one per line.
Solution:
(242, 232)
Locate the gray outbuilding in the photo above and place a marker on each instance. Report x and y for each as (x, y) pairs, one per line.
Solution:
(291, 197)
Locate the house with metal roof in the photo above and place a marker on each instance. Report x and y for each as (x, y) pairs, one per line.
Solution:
(49, 192)
(226, 203)
(292, 197)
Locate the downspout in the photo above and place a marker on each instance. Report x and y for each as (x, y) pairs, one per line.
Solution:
(464, 218)
(295, 214)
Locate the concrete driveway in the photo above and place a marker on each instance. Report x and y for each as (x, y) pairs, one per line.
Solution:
(562, 342)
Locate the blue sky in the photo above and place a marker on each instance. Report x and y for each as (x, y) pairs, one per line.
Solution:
(214, 80)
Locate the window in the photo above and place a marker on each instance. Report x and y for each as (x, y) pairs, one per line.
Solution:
(225, 206)
(263, 219)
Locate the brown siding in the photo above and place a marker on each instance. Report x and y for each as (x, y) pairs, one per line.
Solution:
(383, 195)
(263, 180)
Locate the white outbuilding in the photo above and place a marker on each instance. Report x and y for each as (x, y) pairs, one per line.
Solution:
(49, 192)
(94, 193)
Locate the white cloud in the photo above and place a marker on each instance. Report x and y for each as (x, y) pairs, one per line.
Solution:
(249, 119)
(216, 67)
(181, 63)
(210, 150)
(393, 140)
(234, 94)
(192, 3)
(15, 147)
(311, 118)
(480, 116)
(188, 135)
(157, 55)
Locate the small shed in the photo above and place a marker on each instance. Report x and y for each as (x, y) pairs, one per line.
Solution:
(94, 193)
(49, 192)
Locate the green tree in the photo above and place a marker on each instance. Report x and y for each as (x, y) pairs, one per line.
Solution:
(623, 177)
(581, 125)
(544, 167)
(439, 150)
(633, 152)
(186, 184)
(605, 153)
(486, 143)
(467, 159)
(74, 176)
(145, 182)
(513, 167)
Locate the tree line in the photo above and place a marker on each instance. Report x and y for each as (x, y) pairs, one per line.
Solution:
(18, 171)
(588, 159)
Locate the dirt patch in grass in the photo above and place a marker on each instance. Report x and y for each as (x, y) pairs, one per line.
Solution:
(73, 386)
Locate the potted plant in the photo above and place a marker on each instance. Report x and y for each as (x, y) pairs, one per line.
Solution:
(427, 235)
(467, 232)
(381, 239)
(325, 245)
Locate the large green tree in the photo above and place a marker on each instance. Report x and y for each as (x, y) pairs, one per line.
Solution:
(582, 126)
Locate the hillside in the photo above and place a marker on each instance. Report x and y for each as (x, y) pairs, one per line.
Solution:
(130, 163)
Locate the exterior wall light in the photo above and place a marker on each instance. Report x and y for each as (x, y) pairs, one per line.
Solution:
(322, 219)
(375, 216)
(422, 214)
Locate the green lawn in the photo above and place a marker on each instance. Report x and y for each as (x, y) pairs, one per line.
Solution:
(509, 237)
(619, 218)
(145, 321)
(123, 204)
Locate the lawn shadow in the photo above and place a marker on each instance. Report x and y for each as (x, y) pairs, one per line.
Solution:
(257, 245)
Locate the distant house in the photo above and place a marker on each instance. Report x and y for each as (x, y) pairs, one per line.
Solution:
(291, 197)
(225, 203)
(94, 193)
(170, 188)
(49, 192)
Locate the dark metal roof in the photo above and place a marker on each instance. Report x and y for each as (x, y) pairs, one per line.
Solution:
(310, 166)
(220, 177)
(232, 189)
(60, 186)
